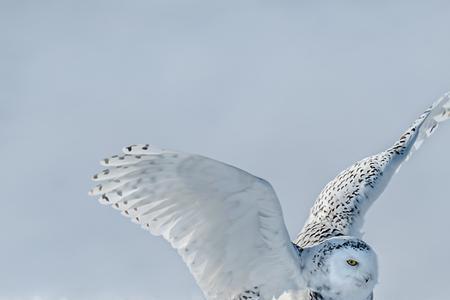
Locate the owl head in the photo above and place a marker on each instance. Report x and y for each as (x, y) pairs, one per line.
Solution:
(341, 268)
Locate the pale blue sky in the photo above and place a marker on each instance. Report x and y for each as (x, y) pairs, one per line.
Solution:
(292, 91)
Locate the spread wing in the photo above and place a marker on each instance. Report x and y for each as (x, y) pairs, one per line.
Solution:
(225, 223)
(340, 207)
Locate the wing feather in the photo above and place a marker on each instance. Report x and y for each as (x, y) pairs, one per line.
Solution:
(226, 224)
(341, 206)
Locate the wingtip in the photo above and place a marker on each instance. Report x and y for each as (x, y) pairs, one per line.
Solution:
(132, 148)
(142, 149)
(104, 200)
(105, 162)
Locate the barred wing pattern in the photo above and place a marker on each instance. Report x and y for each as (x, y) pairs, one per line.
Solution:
(226, 224)
(341, 206)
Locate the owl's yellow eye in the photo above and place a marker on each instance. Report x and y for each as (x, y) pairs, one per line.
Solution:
(352, 262)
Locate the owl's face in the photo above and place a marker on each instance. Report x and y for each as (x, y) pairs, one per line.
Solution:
(344, 268)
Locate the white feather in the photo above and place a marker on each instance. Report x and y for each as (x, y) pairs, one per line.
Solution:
(226, 224)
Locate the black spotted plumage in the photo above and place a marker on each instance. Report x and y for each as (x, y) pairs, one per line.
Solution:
(341, 205)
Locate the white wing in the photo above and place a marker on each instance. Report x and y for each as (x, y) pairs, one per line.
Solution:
(340, 207)
(226, 224)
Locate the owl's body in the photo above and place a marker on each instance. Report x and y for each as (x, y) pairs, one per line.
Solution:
(228, 226)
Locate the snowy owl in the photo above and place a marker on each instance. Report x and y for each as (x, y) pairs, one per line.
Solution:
(228, 226)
